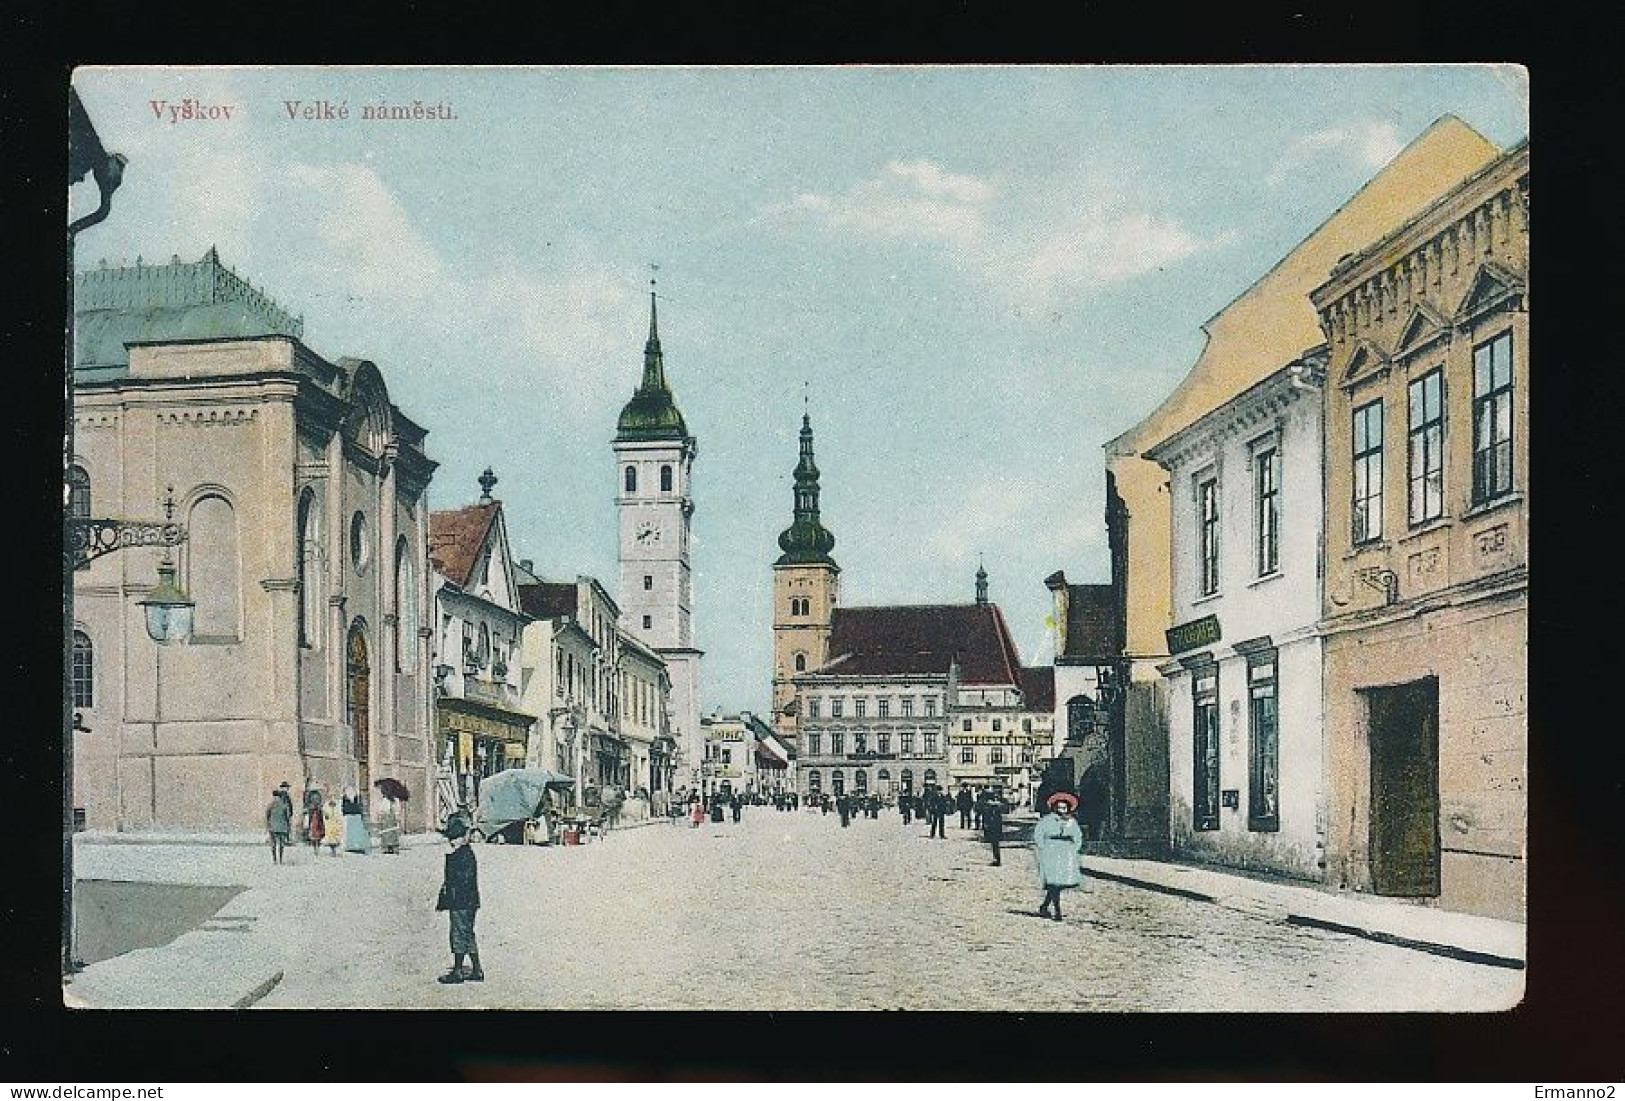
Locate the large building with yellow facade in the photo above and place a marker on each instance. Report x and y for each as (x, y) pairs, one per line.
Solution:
(1270, 324)
(302, 490)
(1425, 618)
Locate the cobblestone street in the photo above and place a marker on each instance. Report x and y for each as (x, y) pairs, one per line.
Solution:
(790, 911)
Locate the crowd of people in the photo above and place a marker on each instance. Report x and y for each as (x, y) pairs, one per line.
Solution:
(320, 819)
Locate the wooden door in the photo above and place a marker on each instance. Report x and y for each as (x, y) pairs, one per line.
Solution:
(1404, 737)
(358, 689)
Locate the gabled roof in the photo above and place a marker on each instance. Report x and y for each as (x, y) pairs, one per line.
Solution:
(1091, 622)
(456, 537)
(1038, 688)
(548, 599)
(905, 640)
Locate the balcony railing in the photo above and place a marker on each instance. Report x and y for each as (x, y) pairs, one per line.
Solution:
(495, 692)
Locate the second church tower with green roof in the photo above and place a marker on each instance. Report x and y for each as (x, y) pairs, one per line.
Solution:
(806, 588)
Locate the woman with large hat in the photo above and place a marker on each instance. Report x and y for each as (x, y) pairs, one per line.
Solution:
(1057, 842)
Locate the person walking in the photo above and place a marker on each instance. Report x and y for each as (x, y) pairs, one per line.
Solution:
(1057, 843)
(315, 824)
(355, 822)
(734, 806)
(993, 823)
(696, 812)
(460, 898)
(278, 821)
(389, 828)
(332, 826)
(844, 805)
(964, 802)
(938, 802)
(906, 805)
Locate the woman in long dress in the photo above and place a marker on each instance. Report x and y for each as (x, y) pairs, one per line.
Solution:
(1057, 842)
(389, 828)
(355, 822)
(315, 819)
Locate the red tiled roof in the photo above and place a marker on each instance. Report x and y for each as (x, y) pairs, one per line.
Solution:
(1038, 688)
(548, 599)
(1091, 622)
(455, 539)
(923, 639)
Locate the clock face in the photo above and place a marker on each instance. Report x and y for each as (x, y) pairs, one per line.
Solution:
(648, 533)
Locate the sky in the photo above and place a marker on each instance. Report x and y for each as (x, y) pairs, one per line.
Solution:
(976, 276)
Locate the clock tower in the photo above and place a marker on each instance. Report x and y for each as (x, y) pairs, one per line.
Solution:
(654, 458)
(806, 588)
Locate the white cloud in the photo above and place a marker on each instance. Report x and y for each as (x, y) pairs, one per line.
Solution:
(909, 199)
(1033, 244)
(1368, 145)
(369, 234)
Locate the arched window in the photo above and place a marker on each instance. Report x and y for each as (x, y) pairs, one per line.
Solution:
(631, 479)
(801, 663)
(213, 574)
(884, 776)
(930, 775)
(78, 493)
(406, 608)
(665, 478)
(814, 781)
(860, 781)
(837, 782)
(308, 549)
(84, 671)
(908, 779)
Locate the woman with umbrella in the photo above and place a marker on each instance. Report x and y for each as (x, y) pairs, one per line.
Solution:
(389, 823)
(1057, 842)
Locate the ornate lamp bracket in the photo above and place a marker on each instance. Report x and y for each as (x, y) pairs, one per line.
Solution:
(90, 539)
(1383, 579)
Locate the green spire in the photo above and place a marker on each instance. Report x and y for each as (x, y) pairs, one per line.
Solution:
(652, 414)
(806, 541)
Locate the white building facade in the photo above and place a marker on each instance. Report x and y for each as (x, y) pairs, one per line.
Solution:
(1247, 751)
(481, 724)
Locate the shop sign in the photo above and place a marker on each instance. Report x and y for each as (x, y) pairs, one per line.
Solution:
(1193, 635)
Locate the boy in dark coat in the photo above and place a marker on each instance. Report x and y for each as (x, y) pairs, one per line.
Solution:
(460, 897)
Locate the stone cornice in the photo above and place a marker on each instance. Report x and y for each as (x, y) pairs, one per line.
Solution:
(1513, 583)
(1260, 404)
(1504, 180)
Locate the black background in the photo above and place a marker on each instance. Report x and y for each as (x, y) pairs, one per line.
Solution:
(1568, 1028)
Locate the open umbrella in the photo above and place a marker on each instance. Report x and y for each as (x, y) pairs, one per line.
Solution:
(391, 788)
(514, 795)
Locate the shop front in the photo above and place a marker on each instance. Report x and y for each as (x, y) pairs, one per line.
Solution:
(473, 741)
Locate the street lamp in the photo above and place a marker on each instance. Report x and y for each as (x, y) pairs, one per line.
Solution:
(169, 609)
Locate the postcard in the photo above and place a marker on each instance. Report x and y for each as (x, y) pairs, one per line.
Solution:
(1002, 538)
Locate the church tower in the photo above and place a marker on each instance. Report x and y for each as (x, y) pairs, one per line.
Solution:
(654, 459)
(806, 588)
